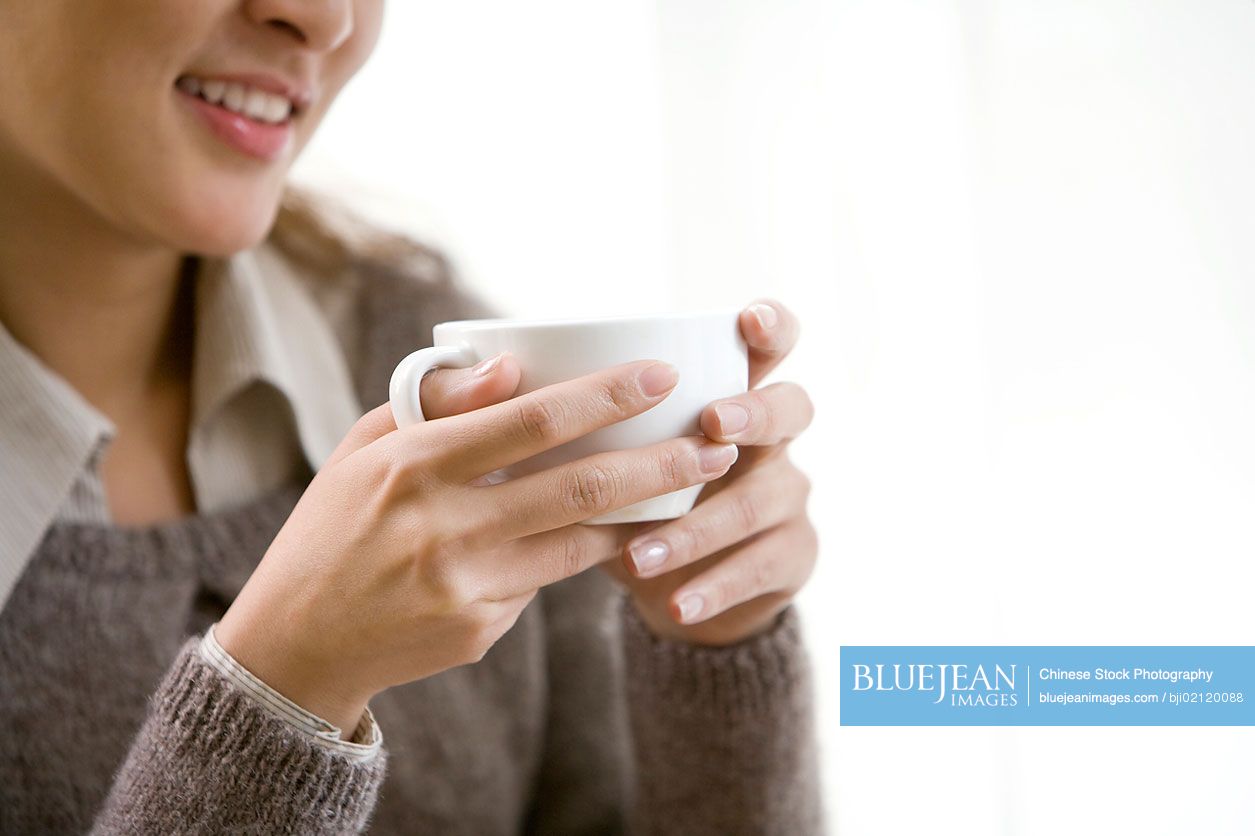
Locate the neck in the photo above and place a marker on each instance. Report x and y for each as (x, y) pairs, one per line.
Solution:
(100, 308)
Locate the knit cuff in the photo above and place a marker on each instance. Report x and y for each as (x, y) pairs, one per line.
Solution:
(211, 758)
(759, 676)
(724, 737)
(366, 741)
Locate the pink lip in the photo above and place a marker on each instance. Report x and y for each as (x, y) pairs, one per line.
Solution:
(256, 139)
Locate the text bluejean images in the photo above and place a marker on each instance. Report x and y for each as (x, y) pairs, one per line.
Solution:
(1047, 686)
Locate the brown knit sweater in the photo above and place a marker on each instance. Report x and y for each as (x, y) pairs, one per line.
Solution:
(578, 721)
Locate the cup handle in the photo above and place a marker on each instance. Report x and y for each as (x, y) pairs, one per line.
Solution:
(407, 377)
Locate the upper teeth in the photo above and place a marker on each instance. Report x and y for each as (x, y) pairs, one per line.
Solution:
(239, 98)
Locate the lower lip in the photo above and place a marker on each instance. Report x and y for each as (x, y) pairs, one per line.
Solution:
(248, 136)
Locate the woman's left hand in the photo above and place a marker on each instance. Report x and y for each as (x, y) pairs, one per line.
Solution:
(723, 572)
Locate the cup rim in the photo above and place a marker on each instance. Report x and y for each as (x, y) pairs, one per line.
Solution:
(574, 322)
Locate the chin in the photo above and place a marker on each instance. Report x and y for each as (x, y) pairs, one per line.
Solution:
(228, 224)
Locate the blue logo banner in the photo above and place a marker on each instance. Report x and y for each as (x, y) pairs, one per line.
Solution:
(1047, 686)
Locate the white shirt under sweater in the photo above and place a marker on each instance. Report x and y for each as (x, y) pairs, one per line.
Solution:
(271, 394)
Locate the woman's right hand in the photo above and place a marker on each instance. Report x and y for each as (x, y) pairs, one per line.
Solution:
(399, 561)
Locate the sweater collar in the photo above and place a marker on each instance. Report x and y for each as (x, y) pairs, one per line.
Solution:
(255, 320)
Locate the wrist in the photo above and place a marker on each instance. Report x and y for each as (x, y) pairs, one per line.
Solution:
(293, 673)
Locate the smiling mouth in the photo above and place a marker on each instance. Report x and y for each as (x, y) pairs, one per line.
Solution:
(243, 99)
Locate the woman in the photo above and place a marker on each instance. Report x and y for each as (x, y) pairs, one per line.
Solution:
(199, 634)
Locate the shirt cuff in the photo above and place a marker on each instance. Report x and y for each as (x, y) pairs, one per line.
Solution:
(367, 738)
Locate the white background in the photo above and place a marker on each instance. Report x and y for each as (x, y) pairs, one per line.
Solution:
(1021, 238)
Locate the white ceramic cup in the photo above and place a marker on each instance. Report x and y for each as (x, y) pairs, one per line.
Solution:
(705, 347)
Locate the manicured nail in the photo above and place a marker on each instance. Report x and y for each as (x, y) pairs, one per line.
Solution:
(732, 418)
(765, 314)
(484, 367)
(691, 607)
(658, 378)
(648, 555)
(715, 458)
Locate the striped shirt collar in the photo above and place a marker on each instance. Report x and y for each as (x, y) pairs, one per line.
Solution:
(254, 320)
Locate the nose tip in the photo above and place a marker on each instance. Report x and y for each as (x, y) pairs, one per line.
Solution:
(321, 25)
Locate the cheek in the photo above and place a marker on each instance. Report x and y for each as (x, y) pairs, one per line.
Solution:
(369, 17)
(160, 176)
(121, 145)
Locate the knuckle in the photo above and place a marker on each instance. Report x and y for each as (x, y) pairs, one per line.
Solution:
(808, 407)
(540, 420)
(746, 513)
(443, 585)
(373, 483)
(571, 558)
(761, 576)
(704, 534)
(810, 536)
(370, 424)
(620, 396)
(592, 488)
(675, 466)
(390, 473)
(804, 483)
(811, 552)
(753, 579)
(474, 638)
(726, 594)
(687, 541)
(400, 470)
(467, 538)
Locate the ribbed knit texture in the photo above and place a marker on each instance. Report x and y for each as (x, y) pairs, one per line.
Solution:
(753, 708)
(200, 728)
(578, 721)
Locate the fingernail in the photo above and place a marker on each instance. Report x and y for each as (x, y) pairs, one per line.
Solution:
(714, 458)
(658, 378)
(648, 555)
(484, 367)
(691, 607)
(732, 418)
(765, 314)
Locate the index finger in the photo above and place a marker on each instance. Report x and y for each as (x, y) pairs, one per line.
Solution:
(495, 436)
